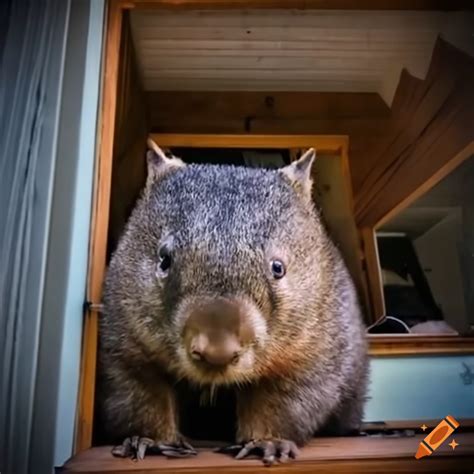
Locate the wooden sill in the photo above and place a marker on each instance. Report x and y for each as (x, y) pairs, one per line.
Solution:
(466, 424)
(416, 344)
(322, 455)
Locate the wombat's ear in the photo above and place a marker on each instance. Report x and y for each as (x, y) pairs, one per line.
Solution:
(159, 165)
(299, 173)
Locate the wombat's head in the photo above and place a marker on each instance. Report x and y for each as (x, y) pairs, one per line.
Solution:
(218, 266)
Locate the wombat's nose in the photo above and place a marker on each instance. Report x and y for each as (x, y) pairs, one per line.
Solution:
(215, 332)
(224, 353)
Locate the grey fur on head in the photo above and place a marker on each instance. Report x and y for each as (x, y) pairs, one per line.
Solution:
(251, 243)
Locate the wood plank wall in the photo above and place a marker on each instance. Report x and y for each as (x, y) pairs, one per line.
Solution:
(361, 116)
(131, 129)
(430, 127)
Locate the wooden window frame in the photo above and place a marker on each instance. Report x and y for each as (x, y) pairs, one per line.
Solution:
(333, 145)
(103, 173)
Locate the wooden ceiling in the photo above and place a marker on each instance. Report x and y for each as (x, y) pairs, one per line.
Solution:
(286, 50)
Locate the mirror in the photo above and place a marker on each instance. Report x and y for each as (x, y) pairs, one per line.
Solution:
(426, 255)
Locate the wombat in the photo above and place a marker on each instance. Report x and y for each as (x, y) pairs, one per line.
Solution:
(225, 277)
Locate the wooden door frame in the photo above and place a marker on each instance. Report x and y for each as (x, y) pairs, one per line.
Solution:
(99, 223)
(335, 145)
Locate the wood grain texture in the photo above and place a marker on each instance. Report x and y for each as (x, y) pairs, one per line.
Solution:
(327, 144)
(373, 272)
(442, 172)
(416, 344)
(430, 128)
(131, 130)
(281, 50)
(99, 227)
(428, 136)
(322, 455)
(363, 285)
(363, 117)
(166, 108)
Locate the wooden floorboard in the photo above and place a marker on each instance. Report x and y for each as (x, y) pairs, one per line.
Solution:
(322, 455)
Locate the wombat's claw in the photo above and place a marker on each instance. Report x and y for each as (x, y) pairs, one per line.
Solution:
(270, 450)
(181, 449)
(136, 448)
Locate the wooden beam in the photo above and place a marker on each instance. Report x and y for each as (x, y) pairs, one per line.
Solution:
(100, 220)
(416, 344)
(407, 193)
(362, 281)
(364, 117)
(238, 105)
(429, 135)
(304, 4)
(324, 143)
(362, 132)
(131, 130)
(356, 114)
(373, 272)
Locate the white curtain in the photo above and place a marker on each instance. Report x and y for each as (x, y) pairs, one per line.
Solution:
(32, 45)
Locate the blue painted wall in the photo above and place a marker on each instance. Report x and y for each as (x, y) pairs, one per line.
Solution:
(83, 178)
(419, 388)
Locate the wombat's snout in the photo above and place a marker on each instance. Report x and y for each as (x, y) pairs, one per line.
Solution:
(223, 352)
(216, 332)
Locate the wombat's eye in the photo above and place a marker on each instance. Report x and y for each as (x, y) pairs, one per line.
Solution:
(278, 268)
(164, 261)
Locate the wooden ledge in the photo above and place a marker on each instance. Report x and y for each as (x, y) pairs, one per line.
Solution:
(322, 455)
(325, 144)
(419, 344)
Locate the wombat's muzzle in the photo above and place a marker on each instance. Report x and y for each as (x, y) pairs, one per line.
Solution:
(216, 332)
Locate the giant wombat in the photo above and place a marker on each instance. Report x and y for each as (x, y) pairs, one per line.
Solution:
(225, 276)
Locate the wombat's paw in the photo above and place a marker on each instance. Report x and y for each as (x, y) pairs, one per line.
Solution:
(269, 450)
(136, 448)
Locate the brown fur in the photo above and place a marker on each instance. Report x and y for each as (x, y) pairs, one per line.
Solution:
(304, 365)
